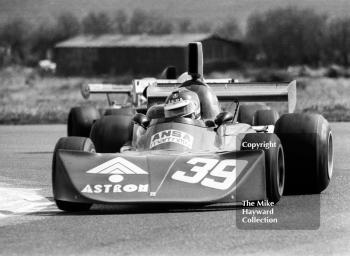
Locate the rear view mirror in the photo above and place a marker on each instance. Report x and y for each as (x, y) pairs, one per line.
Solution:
(141, 120)
(223, 117)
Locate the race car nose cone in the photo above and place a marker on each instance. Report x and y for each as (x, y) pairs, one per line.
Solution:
(195, 60)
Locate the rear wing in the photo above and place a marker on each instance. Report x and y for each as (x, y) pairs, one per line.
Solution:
(229, 90)
(133, 90)
(88, 89)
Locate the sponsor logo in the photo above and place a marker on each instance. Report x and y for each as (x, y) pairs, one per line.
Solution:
(110, 188)
(174, 136)
(116, 168)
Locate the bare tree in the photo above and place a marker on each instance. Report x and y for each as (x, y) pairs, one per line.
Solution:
(288, 36)
(47, 34)
(121, 20)
(67, 25)
(137, 22)
(338, 43)
(203, 27)
(149, 23)
(184, 25)
(229, 29)
(158, 24)
(97, 24)
(14, 36)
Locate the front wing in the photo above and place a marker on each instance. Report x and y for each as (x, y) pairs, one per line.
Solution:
(157, 177)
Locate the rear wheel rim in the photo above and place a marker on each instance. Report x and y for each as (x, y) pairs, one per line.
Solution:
(330, 156)
(280, 171)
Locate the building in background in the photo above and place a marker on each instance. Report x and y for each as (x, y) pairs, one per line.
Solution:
(141, 55)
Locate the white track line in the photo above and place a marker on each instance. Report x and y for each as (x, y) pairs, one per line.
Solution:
(20, 201)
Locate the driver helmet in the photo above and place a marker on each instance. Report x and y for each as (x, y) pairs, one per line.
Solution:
(182, 102)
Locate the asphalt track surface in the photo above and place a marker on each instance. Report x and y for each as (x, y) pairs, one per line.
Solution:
(30, 224)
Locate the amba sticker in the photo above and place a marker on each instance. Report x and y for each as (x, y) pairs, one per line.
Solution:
(174, 136)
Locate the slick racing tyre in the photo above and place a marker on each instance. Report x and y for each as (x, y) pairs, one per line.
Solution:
(246, 112)
(80, 120)
(70, 143)
(274, 162)
(265, 117)
(110, 133)
(308, 146)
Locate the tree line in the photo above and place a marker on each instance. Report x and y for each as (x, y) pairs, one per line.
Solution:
(25, 43)
(279, 37)
(292, 36)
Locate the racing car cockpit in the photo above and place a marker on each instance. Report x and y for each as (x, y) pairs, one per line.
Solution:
(192, 99)
(190, 108)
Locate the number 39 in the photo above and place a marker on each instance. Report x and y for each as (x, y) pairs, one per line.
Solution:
(220, 170)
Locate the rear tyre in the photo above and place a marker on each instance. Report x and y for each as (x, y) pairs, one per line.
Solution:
(80, 120)
(265, 117)
(274, 162)
(246, 112)
(110, 133)
(308, 145)
(70, 143)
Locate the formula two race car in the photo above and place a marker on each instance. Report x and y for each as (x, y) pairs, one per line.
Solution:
(81, 119)
(130, 101)
(158, 159)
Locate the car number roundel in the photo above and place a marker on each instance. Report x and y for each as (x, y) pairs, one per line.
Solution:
(211, 173)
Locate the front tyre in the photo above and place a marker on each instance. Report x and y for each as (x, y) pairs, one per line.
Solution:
(308, 144)
(274, 162)
(69, 143)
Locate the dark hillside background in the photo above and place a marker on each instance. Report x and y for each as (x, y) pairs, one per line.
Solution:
(196, 10)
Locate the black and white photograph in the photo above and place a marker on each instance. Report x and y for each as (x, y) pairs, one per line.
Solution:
(163, 127)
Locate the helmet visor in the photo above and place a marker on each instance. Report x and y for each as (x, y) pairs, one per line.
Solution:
(181, 108)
